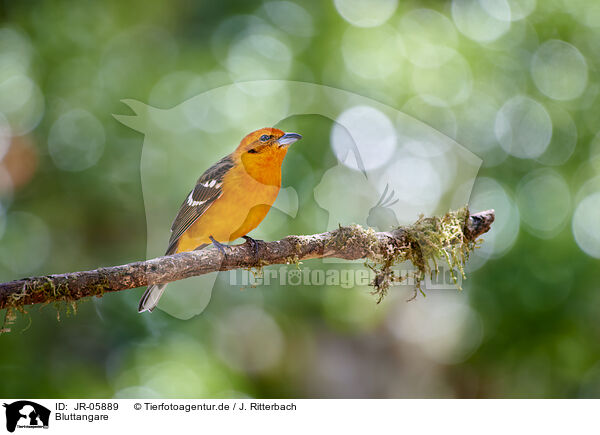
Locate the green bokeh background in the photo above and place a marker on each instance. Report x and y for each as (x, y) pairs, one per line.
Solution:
(526, 324)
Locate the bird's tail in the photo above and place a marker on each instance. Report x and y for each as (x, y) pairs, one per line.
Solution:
(151, 297)
(154, 292)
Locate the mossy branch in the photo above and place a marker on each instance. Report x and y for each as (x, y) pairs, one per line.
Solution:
(449, 238)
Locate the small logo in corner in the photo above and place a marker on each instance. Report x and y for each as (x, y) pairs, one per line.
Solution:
(26, 414)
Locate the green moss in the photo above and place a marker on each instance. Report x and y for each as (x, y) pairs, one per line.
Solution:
(356, 237)
(61, 297)
(427, 242)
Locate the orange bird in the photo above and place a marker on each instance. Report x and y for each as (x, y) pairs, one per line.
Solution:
(230, 199)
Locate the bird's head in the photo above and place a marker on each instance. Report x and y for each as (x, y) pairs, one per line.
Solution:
(261, 153)
(265, 144)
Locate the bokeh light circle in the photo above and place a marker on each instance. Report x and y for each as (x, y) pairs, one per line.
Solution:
(76, 140)
(22, 102)
(290, 17)
(564, 138)
(417, 184)
(559, 70)
(500, 10)
(489, 194)
(15, 51)
(248, 339)
(430, 37)
(366, 13)
(15, 92)
(456, 85)
(373, 53)
(585, 11)
(520, 9)
(251, 48)
(174, 88)
(433, 112)
(586, 225)
(262, 54)
(544, 202)
(371, 134)
(481, 20)
(523, 127)
(477, 118)
(25, 244)
(444, 326)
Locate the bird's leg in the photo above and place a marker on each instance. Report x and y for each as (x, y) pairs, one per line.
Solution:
(253, 244)
(221, 247)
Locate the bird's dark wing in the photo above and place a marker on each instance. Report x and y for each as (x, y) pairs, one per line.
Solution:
(208, 189)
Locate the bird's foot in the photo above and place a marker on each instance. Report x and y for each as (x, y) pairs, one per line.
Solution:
(253, 244)
(221, 247)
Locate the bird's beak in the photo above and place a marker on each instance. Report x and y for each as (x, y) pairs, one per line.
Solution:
(288, 139)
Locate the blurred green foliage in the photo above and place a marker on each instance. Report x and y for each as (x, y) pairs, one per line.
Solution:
(515, 81)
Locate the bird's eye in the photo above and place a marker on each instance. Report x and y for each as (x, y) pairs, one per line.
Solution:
(252, 151)
(265, 137)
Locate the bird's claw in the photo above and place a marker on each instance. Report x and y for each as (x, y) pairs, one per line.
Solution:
(221, 247)
(253, 244)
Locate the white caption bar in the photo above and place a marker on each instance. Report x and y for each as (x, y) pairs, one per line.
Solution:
(22, 416)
